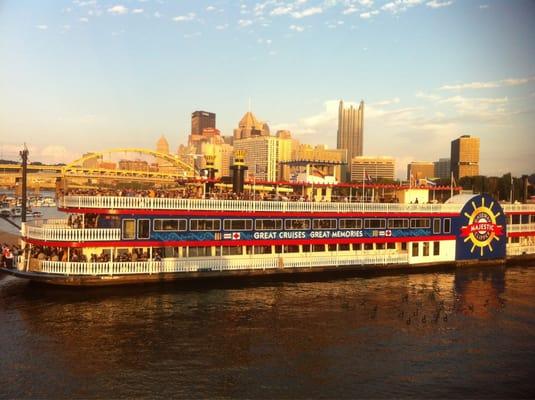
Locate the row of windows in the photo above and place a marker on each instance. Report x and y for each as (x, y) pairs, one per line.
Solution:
(279, 249)
(426, 249)
(213, 225)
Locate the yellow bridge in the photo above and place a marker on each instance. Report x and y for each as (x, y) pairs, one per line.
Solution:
(170, 169)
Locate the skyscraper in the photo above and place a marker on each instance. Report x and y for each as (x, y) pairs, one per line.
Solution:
(443, 168)
(417, 170)
(350, 129)
(201, 120)
(465, 156)
(381, 167)
(250, 126)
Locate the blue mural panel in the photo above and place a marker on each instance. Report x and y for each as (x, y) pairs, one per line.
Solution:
(480, 230)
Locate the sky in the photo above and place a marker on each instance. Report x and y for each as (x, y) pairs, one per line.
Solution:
(90, 75)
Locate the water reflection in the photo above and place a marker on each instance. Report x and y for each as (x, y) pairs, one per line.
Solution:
(478, 291)
(438, 334)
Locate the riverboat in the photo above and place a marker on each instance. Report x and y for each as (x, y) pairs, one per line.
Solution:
(109, 240)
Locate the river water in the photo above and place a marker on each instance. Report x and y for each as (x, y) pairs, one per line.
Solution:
(469, 333)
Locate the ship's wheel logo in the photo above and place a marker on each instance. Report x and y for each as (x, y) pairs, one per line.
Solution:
(482, 229)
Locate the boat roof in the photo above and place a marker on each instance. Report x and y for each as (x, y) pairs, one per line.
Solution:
(462, 198)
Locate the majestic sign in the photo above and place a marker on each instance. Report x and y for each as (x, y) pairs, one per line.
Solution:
(481, 230)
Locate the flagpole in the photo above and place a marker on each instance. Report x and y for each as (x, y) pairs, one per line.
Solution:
(511, 194)
(451, 185)
(363, 194)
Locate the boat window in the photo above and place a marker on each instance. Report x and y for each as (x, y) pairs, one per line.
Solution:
(129, 228)
(232, 250)
(420, 223)
(343, 247)
(415, 249)
(169, 224)
(436, 248)
(357, 246)
(380, 246)
(143, 228)
(447, 225)
(109, 221)
(436, 225)
(291, 249)
(200, 252)
(426, 249)
(398, 223)
(262, 249)
(306, 248)
(331, 247)
(318, 247)
(391, 246)
(374, 223)
(238, 224)
(297, 224)
(350, 223)
(368, 246)
(515, 220)
(323, 224)
(268, 224)
(205, 224)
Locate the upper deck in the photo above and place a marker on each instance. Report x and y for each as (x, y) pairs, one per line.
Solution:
(162, 203)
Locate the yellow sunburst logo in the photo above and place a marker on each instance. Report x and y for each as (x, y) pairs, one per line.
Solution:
(482, 228)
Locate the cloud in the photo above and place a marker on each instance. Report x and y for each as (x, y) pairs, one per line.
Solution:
(483, 6)
(210, 8)
(221, 27)
(307, 13)
(281, 10)
(137, 11)
(427, 96)
(244, 23)
(366, 3)
(490, 84)
(400, 5)
(369, 14)
(83, 19)
(297, 28)
(350, 10)
(387, 102)
(184, 18)
(118, 10)
(42, 27)
(438, 4)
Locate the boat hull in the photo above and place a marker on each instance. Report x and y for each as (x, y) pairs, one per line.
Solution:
(283, 274)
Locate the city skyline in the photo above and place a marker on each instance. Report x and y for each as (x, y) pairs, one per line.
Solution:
(90, 75)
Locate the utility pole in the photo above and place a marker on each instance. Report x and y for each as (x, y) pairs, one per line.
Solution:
(24, 155)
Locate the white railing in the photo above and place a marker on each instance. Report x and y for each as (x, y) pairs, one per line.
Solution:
(68, 234)
(217, 264)
(115, 202)
(518, 207)
(515, 250)
(521, 228)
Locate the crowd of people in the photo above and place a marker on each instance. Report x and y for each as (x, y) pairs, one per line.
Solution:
(193, 192)
(7, 258)
(48, 253)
